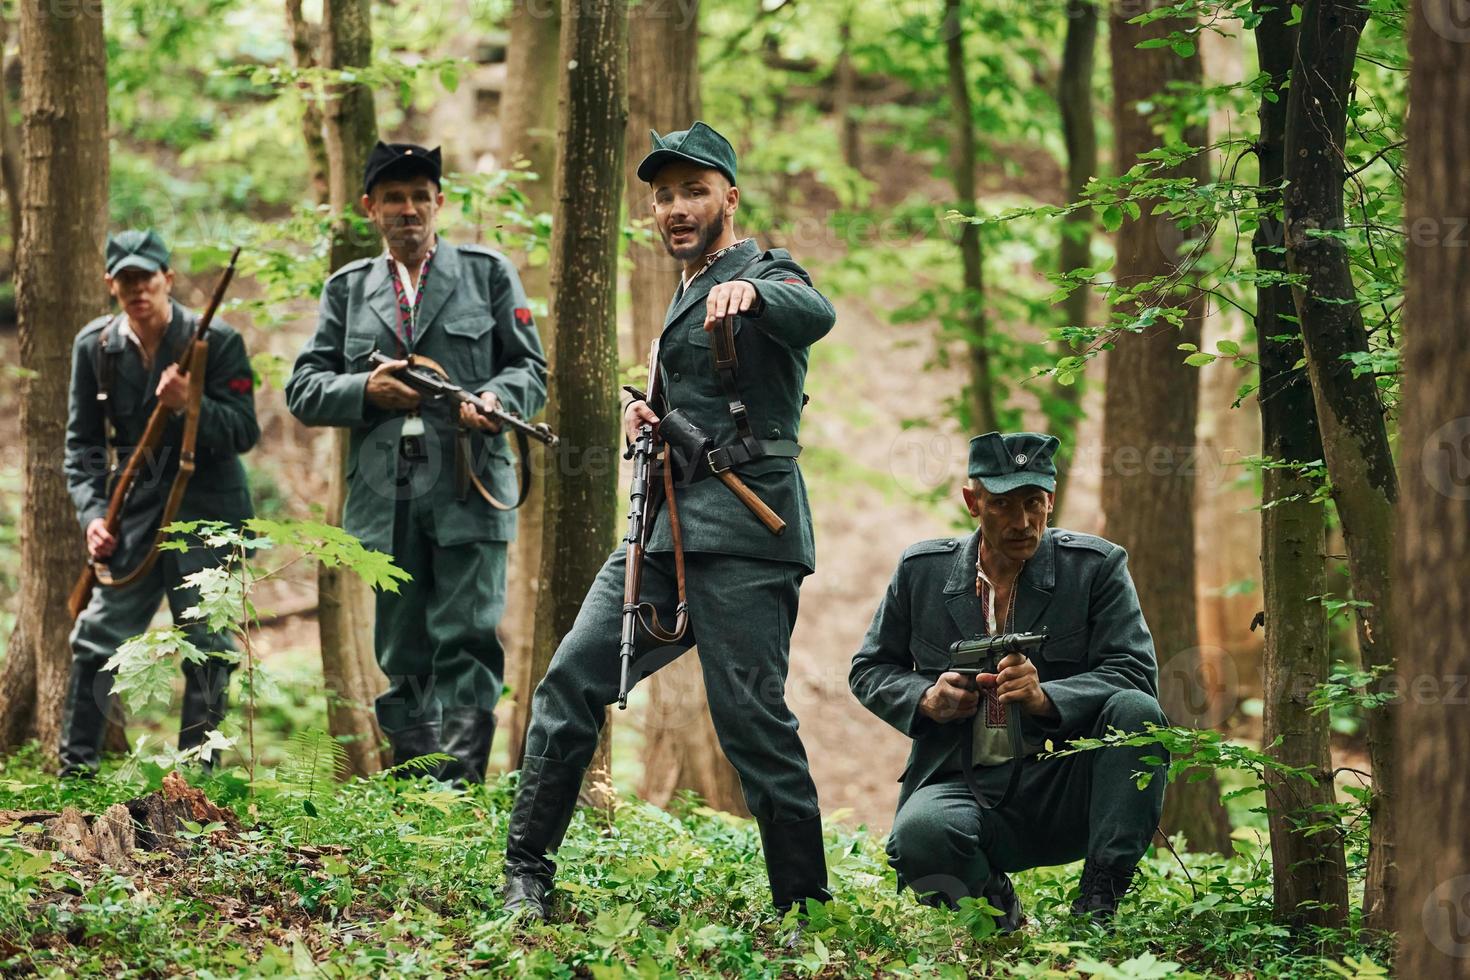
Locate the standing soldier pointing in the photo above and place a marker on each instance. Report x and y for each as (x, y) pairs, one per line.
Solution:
(742, 580)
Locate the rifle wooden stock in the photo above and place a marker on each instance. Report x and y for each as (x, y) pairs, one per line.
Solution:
(192, 364)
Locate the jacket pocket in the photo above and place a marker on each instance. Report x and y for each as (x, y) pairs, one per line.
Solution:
(355, 350)
(929, 659)
(470, 354)
(1068, 646)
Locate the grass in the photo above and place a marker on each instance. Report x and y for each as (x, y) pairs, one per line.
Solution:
(400, 877)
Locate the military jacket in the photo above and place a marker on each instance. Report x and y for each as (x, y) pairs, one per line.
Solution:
(218, 490)
(772, 348)
(1076, 586)
(473, 320)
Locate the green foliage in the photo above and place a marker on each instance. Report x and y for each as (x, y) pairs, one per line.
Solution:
(361, 887)
(145, 666)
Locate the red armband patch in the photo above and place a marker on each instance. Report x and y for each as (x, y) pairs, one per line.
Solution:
(241, 386)
(794, 282)
(523, 316)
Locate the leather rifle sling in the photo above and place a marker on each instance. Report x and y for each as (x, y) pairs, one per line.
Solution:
(181, 478)
(464, 455)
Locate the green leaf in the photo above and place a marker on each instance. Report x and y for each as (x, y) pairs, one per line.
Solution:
(1228, 347)
(1200, 359)
(1112, 217)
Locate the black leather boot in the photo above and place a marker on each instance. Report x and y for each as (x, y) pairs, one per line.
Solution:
(1100, 890)
(85, 719)
(410, 743)
(206, 699)
(999, 892)
(796, 865)
(466, 734)
(538, 821)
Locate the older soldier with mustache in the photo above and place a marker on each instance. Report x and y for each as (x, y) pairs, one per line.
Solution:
(409, 463)
(966, 818)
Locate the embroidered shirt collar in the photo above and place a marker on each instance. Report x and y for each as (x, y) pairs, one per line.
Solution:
(401, 273)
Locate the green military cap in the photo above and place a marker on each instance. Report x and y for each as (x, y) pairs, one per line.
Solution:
(698, 144)
(1017, 459)
(135, 249)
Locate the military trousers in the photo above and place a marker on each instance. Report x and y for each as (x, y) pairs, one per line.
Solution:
(117, 614)
(1063, 809)
(741, 613)
(436, 637)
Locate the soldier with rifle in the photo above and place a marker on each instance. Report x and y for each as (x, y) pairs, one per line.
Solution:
(983, 649)
(729, 371)
(430, 479)
(166, 399)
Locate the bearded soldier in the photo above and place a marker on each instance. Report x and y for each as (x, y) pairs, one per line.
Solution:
(742, 580)
(973, 809)
(123, 368)
(427, 484)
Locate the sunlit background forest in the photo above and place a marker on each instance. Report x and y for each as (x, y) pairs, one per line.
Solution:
(1060, 217)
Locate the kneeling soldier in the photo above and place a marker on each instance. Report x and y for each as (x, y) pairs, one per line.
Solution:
(972, 808)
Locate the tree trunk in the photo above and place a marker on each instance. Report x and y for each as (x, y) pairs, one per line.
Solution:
(58, 288)
(844, 96)
(1079, 129)
(10, 174)
(1433, 548)
(663, 94)
(303, 45)
(528, 132)
(1349, 414)
(980, 403)
(1310, 870)
(581, 500)
(1151, 405)
(680, 748)
(346, 606)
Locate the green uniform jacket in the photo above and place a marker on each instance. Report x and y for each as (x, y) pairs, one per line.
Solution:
(1076, 585)
(218, 489)
(772, 348)
(474, 320)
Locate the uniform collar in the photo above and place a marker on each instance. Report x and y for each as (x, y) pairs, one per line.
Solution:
(711, 259)
(1035, 585)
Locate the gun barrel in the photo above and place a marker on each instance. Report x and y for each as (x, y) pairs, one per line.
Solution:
(1000, 645)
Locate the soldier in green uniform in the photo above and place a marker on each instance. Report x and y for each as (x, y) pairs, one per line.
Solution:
(123, 365)
(742, 581)
(409, 462)
(1096, 672)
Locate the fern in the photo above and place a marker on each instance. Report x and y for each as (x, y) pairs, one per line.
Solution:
(316, 762)
(422, 765)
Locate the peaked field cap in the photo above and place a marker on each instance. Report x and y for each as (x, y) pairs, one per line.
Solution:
(136, 249)
(398, 161)
(1003, 463)
(698, 144)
